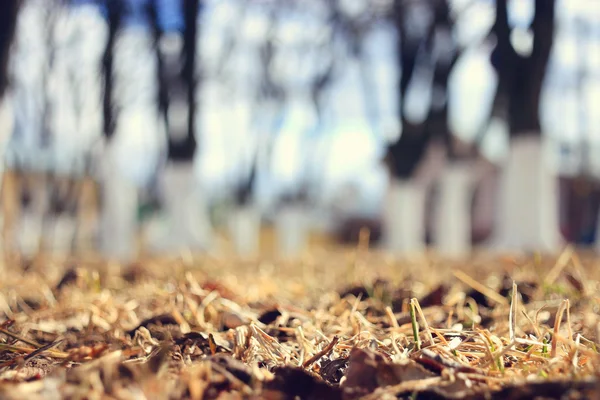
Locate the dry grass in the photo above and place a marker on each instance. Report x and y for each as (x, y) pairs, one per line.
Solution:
(345, 324)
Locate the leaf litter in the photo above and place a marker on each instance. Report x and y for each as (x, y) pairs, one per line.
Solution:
(353, 324)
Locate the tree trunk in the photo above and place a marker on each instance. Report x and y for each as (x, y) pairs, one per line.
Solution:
(404, 219)
(528, 212)
(119, 211)
(452, 234)
(8, 19)
(291, 230)
(244, 229)
(528, 209)
(484, 204)
(187, 218)
(175, 30)
(62, 233)
(132, 153)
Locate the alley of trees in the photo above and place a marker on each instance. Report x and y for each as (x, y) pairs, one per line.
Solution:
(156, 124)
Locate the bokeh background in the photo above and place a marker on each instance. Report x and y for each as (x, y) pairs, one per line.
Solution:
(187, 121)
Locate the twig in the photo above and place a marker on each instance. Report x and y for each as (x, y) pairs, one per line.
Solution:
(425, 324)
(27, 350)
(561, 263)
(568, 309)
(20, 338)
(512, 315)
(575, 355)
(415, 326)
(486, 291)
(392, 317)
(321, 353)
(42, 349)
(557, 321)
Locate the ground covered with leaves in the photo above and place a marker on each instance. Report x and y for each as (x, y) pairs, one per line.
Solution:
(346, 325)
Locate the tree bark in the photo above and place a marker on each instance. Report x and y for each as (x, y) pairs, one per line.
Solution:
(521, 77)
(177, 84)
(244, 230)
(187, 218)
(452, 234)
(291, 230)
(404, 217)
(528, 211)
(529, 216)
(406, 155)
(8, 19)
(119, 215)
(132, 154)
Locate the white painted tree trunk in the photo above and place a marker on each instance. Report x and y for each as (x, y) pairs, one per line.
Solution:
(132, 154)
(119, 211)
(452, 232)
(291, 230)
(29, 233)
(188, 223)
(404, 219)
(244, 230)
(529, 209)
(60, 235)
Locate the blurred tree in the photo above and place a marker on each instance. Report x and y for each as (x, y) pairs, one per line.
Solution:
(175, 30)
(131, 157)
(31, 142)
(8, 19)
(452, 219)
(113, 12)
(427, 53)
(176, 33)
(528, 192)
(522, 70)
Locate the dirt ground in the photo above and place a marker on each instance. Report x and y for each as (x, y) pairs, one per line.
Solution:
(343, 324)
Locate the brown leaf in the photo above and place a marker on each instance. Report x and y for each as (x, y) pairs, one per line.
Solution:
(549, 390)
(237, 368)
(292, 382)
(368, 370)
